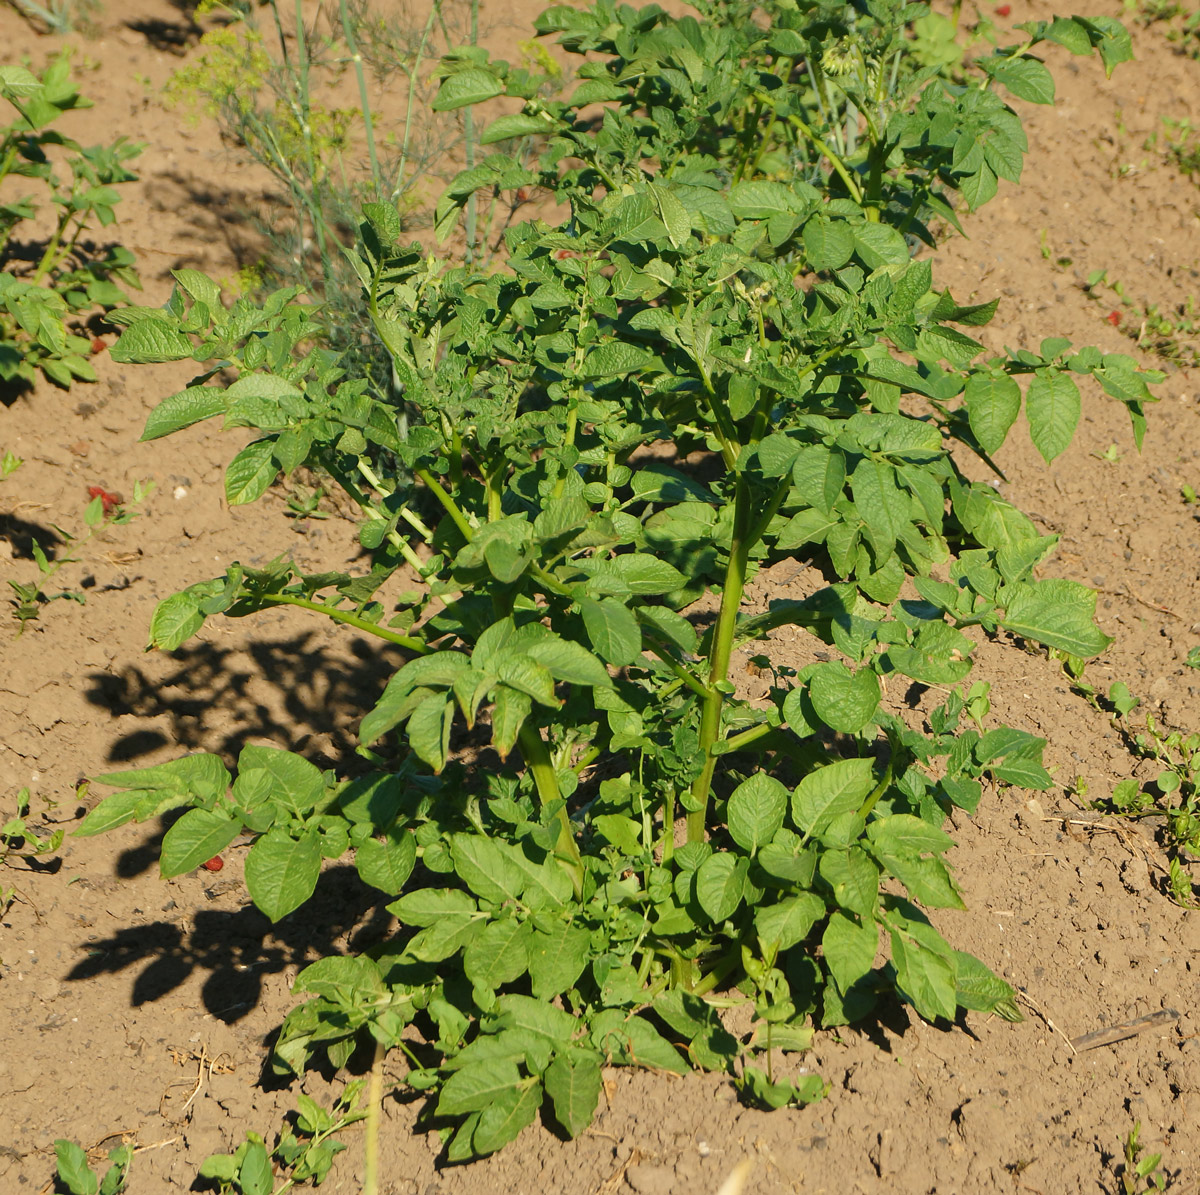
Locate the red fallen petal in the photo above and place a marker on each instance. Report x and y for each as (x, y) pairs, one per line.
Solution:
(109, 501)
(1002, 10)
(98, 345)
(214, 864)
(1114, 318)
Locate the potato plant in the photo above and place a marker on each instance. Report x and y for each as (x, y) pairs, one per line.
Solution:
(725, 356)
(43, 305)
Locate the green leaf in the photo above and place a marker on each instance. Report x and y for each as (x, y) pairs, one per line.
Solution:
(845, 701)
(282, 871)
(979, 990)
(429, 905)
(297, 783)
(659, 483)
(853, 878)
(502, 1121)
(17, 80)
(200, 775)
(1027, 78)
(720, 885)
(635, 1042)
(1052, 406)
(924, 968)
(250, 473)
(761, 200)
(386, 865)
(195, 838)
(828, 244)
(112, 812)
(175, 620)
(881, 504)
(849, 948)
(183, 409)
(567, 661)
(517, 124)
(829, 791)
(789, 922)
(573, 1085)
(429, 730)
(901, 833)
(613, 629)
(255, 1176)
(471, 86)
(880, 244)
(557, 959)
(498, 954)
(616, 358)
(755, 812)
(149, 341)
(633, 573)
(476, 1086)
(1111, 39)
(1056, 612)
(485, 867)
(73, 1168)
(993, 403)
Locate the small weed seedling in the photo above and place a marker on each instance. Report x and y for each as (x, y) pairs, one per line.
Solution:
(304, 1152)
(1171, 798)
(18, 841)
(1141, 1175)
(76, 1177)
(1180, 23)
(105, 510)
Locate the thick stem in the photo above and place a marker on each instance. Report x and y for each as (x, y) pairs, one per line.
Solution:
(374, 1116)
(537, 756)
(722, 646)
(726, 967)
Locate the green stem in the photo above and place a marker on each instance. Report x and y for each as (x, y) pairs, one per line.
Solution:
(353, 620)
(492, 488)
(722, 646)
(668, 847)
(728, 964)
(374, 1116)
(48, 260)
(469, 134)
(414, 73)
(682, 673)
(448, 503)
(537, 756)
(364, 99)
(736, 742)
(834, 160)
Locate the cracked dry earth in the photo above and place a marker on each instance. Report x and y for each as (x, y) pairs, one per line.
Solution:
(139, 1008)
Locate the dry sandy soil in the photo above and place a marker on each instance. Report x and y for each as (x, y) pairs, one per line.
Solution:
(117, 988)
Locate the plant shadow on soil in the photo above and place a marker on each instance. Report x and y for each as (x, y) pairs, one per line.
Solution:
(221, 215)
(214, 698)
(238, 948)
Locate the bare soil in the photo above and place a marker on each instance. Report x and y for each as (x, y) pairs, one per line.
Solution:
(140, 1008)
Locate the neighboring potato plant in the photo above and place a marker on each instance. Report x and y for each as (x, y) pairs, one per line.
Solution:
(49, 285)
(583, 831)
